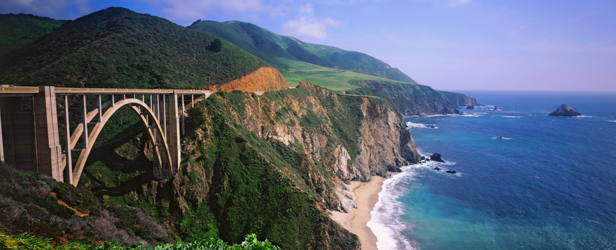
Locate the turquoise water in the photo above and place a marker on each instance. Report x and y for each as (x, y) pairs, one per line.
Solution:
(550, 183)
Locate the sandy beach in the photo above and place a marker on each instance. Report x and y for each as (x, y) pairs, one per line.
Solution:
(365, 196)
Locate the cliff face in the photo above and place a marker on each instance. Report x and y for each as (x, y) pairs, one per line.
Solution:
(460, 99)
(310, 138)
(263, 79)
(270, 165)
(378, 144)
(410, 99)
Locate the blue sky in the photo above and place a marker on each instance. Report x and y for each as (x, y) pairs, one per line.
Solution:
(447, 44)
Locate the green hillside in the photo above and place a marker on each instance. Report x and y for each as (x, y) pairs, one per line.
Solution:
(291, 55)
(119, 48)
(19, 30)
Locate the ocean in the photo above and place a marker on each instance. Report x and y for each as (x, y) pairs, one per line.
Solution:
(549, 183)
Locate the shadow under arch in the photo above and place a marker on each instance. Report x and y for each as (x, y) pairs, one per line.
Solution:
(163, 156)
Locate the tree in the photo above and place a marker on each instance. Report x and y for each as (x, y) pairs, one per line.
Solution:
(215, 46)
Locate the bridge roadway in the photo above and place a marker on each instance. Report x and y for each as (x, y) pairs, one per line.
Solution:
(29, 128)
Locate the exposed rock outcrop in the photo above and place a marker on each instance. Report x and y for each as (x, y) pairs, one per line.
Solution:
(263, 79)
(565, 110)
(436, 157)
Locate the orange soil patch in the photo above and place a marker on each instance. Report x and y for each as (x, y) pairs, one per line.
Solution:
(80, 214)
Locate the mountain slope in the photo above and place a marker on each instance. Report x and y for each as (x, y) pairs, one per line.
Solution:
(279, 50)
(119, 48)
(336, 69)
(19, 30)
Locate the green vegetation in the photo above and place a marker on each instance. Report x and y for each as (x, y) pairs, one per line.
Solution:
(290, 55)
(249, 192)
(19, 30)
(39, 205)
(27, 241)
(336, 80)
(118, 48)
(29, 205)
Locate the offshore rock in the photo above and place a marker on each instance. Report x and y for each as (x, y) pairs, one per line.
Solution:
(565, 110)
(436, 157)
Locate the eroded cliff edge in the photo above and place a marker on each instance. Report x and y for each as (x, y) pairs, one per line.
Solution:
(262, 79)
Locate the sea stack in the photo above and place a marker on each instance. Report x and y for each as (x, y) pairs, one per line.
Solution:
(564, 110)
(436, 157)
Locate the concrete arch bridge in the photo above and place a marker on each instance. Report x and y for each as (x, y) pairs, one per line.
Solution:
(30, 125)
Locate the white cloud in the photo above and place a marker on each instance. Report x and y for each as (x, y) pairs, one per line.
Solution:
(456, 3)
(306, 24)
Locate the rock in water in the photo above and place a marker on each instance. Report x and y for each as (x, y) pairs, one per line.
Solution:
(470, 107)
(436, 157)
(565, 110)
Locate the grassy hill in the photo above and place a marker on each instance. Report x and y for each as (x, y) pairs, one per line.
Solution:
(119, 48)
(19, 30)
(290, 55)
(335, 69)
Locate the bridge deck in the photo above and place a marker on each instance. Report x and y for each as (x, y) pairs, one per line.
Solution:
(5, 89)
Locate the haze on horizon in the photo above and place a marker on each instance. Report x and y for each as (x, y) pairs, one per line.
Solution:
(446, 44)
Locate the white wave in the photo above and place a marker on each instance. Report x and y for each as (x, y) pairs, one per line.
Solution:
(473, 114)
(511, 116)
(420, 125)
(612, 121)
(584, 116)
(438, 115)
(501, 138)
(385, 220)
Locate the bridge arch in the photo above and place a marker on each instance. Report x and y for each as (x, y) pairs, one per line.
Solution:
(163, 153)
(40, 129)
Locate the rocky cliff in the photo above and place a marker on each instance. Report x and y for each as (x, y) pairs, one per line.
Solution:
(375, 143)
(414, 99)
(459, 99)
(270, 165)
(263, 79)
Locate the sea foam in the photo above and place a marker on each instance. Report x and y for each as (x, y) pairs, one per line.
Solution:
(511, 116)
(420, 125)
(385, 220)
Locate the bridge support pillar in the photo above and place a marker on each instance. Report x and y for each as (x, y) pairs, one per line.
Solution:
(49, 151)
(173, 133)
